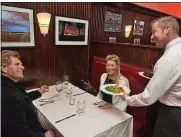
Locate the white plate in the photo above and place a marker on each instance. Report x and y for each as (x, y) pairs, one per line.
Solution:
(142, 74)
(126, 89)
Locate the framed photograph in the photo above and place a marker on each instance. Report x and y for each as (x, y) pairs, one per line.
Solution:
(71, 31)
(138, 27)
(113, 22)
(112, 39)
(136, 41)
(17, 27)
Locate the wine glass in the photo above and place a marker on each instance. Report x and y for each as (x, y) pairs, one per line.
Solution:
(59, 86)
(81, 106)
(69, 91)
(65, 80)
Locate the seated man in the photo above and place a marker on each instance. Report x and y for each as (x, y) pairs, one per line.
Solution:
(19, 118)
(113, 76)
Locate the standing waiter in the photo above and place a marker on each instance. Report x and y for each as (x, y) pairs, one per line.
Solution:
(165, 84)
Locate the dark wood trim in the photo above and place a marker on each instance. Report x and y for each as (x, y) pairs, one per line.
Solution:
(128, 44)
(136, 8)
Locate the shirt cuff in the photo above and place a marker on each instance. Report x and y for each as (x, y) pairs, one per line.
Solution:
(128, 100)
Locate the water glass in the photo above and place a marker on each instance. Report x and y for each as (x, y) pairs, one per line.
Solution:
(59, 86)
(81, 106)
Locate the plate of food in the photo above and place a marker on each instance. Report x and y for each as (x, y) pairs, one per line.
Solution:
(115, 89)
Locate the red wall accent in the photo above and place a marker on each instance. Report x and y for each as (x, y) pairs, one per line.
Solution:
(168, 8)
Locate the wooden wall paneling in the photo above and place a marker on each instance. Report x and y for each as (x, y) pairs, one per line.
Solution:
(127, 54)
(141, 56)
(45, 63)
(136, 55)
(98, 16)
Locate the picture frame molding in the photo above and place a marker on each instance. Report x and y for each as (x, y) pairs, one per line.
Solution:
(136, 33)
(31, 26)
(70, 43)
(136, 39)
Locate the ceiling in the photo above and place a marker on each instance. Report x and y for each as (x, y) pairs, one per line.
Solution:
(173, 9)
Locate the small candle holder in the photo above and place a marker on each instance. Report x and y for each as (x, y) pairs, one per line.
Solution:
(71, 101)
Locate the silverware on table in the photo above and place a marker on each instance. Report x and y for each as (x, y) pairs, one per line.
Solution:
(43, 99)
(79, 94)
(65, 118)
(51, 101)
(103, 105)
(97, 103)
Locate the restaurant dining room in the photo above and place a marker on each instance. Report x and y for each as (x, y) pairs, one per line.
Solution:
(90, 69)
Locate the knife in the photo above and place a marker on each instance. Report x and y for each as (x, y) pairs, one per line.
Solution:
(79, 94)
(65, 118)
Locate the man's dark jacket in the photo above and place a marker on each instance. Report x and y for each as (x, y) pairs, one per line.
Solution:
(19, 117)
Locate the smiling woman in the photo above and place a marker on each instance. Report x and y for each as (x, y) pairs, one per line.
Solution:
(113, 76)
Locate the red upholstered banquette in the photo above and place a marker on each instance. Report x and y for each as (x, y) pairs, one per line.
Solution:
(137, 85)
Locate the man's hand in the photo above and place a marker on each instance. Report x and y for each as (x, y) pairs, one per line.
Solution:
(50, 133)
(43, 89)
(124, 96)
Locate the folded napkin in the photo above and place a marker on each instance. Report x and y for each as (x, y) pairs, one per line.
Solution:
(32, 90)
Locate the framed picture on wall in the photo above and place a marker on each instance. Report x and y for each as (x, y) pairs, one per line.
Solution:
(17, 27)
(138, 27)
(136, 40)
(113, 22)
(71, 31)
(112, 39)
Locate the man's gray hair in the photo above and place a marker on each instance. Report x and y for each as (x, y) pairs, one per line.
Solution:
(168, 20)
(5, 56)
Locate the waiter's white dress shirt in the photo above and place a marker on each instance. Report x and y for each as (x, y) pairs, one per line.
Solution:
(165, 84)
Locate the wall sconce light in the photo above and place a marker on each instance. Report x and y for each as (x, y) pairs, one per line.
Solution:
(127, 30)
(44, 22)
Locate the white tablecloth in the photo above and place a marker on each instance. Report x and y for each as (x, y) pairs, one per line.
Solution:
(95, 122)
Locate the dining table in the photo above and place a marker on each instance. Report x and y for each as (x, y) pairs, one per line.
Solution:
(59, 113)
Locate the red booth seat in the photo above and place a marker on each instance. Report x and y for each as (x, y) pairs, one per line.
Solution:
(137, 85)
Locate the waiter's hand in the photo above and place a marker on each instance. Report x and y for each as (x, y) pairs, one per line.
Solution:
(124, 96)
(43, 89)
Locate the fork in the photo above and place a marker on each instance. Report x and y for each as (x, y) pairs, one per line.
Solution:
(49, 97)
(103, 105)
(51, 101)
(97, 103)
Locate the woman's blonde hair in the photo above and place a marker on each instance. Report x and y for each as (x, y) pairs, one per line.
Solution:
(116, 59)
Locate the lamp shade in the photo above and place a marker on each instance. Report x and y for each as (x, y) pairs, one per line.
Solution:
(127, 30)
(44, 21)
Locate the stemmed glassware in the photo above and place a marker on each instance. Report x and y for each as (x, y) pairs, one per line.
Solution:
(69, 91)
(65, 80)
(59, 86)
(81, 106)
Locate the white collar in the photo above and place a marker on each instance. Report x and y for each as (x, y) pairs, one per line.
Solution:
(171, 43)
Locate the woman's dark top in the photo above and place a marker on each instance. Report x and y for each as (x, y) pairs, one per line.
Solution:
(107, 97)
